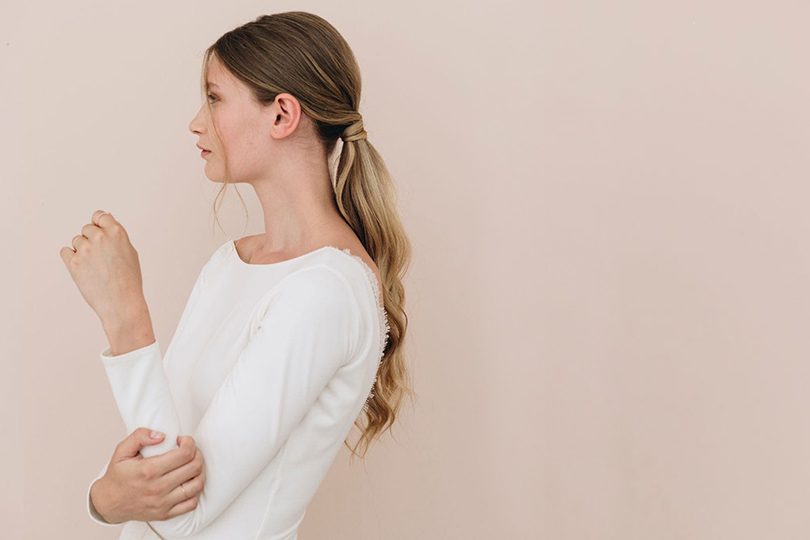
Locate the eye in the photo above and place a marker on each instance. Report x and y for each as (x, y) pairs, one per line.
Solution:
(211, 97)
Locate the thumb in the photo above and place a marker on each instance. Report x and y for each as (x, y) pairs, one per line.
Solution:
(136, 440)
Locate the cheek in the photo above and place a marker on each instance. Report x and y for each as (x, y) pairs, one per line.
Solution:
(240, 142)
(220, 129)
(231, 135)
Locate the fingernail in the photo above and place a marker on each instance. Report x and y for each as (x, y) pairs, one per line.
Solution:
(156, 434)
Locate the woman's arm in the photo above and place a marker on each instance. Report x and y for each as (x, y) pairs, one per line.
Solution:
(308, 332)
(162, 418)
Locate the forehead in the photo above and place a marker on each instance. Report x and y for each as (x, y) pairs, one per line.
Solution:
(213, 82)
(215, 76)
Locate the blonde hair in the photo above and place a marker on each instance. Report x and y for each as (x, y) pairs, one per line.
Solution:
(302, 54)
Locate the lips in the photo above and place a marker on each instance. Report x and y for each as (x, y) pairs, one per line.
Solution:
(201, 148)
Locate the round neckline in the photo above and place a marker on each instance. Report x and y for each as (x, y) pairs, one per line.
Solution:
(277, 263)
(375, 283)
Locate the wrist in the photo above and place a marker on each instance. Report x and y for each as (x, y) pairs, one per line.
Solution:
(129, 332)
(98, 500)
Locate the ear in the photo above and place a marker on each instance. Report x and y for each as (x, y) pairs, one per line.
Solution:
(286, 114)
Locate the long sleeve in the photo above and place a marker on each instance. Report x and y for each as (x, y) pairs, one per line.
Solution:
(160, 416)
(307, 332)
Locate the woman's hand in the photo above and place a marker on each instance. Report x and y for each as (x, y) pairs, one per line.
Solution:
(105, 267)
(149, 489)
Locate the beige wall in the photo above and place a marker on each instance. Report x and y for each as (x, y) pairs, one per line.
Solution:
(609, 297)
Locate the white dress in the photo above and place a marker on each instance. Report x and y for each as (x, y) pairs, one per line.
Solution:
(268, 369)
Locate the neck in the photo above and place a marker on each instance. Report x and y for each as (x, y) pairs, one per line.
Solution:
(299, 211)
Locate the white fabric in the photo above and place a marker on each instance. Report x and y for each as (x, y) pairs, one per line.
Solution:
(268, 369)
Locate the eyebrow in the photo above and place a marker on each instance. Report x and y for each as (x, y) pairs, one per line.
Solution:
(209, 84)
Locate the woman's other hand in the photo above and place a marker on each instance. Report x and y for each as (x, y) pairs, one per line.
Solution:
(135, 488)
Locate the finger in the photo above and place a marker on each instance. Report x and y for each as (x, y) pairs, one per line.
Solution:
(185, 472)
(190, 490)
(194, 486)
(67, 254)
(102, 219)
(77, 241)
(136, 440)
(91, 231)
(175, 457)
(186, 505)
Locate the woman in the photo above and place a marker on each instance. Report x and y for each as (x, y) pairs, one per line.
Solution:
(287, 336)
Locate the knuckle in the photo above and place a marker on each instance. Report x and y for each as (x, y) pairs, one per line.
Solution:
(198, 485)
(147, 471)
(154, 508)
(152, 504)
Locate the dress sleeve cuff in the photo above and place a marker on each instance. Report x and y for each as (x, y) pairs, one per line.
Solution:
(146, 350)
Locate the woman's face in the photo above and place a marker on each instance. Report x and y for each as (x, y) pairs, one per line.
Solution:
(243, 124)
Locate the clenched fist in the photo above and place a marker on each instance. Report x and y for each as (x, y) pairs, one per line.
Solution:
(105, 267)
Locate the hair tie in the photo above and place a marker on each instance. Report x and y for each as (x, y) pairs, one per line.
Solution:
(354, 132)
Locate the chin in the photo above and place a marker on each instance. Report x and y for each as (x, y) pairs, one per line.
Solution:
(215, 179)
(220, 180)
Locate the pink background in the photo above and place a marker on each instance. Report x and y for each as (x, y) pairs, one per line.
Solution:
(608, 299)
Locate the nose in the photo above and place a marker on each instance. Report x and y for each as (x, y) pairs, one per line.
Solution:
(195, 126)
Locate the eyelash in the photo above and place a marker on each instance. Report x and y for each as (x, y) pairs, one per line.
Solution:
(211, 96)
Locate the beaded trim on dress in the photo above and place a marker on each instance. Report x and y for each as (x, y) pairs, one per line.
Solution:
(382, 315)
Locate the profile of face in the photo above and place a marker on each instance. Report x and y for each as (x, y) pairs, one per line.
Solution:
(249, 132)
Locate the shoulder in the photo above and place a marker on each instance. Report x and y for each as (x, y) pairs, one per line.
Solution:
(314, 304)
(318, 280)
(319, 291)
